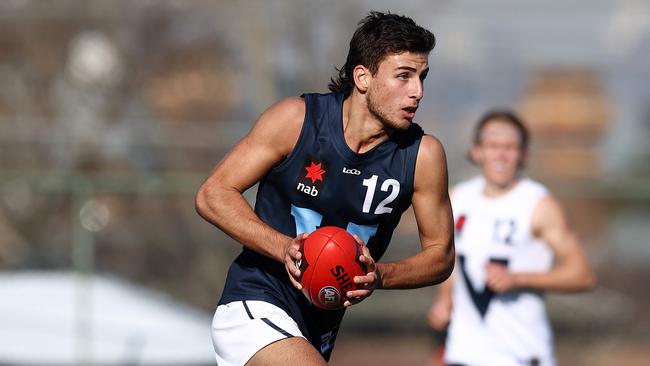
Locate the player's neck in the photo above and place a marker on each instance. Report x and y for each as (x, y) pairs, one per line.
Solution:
(494, 189)
(361, 130)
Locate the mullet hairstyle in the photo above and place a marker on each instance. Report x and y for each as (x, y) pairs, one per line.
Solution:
(378, 35)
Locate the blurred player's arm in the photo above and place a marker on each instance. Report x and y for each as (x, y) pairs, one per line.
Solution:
(435, 262)
(571, 271)
(439, 313)
(219, 200)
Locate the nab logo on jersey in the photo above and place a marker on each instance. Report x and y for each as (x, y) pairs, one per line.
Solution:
(310, 181)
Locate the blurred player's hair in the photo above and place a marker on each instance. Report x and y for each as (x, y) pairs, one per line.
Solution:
(380, 34)
(507, 116)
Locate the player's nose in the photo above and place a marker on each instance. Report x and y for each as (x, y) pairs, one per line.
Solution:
(416, 90)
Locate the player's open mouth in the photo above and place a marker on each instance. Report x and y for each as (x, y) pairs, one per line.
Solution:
(410, 111)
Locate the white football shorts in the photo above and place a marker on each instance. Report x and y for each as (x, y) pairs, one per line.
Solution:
(241, 328)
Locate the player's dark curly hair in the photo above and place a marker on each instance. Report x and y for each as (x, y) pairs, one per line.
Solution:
(507, 116)
(380, 34)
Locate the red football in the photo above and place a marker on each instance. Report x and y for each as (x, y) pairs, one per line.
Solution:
(329, 263)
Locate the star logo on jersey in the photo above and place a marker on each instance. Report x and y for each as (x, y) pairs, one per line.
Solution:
(315, 172)
(312, 178)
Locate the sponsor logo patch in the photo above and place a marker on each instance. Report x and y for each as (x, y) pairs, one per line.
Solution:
(351, 171)
(311, 179)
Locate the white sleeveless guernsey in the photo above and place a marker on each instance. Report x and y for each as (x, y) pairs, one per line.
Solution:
(489, 329)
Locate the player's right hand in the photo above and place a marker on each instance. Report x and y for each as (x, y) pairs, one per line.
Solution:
(439, 315)
(369, 282)
(292, 257)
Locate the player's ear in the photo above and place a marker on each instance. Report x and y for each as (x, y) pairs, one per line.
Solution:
(523, 159)
(474, 155)
(361, 76)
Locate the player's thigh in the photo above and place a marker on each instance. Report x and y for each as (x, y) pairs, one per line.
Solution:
(294, 351)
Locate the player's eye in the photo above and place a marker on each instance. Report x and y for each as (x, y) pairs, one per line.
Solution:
(403, 76)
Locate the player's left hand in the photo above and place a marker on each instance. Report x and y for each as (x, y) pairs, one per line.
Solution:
(498, 278)
(368, 282)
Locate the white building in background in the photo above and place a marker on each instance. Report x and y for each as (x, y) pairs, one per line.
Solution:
(64, 318)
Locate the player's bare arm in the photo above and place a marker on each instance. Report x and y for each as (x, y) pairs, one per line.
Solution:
(431, 204)
(439, 313)
(571, 271)
(219, 199)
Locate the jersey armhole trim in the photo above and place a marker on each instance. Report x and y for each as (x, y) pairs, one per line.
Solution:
(298, 146)
(410, 178)
(543, 193)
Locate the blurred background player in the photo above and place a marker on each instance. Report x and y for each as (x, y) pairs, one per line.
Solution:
(352, 158)
(513, 244)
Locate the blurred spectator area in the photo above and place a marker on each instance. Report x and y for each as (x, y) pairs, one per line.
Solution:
(111, 114)
(569, 113)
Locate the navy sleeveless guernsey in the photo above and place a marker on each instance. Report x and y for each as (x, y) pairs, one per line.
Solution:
(323, 182)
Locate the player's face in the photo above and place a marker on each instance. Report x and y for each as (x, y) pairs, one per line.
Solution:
(499, 153)
(395, 91)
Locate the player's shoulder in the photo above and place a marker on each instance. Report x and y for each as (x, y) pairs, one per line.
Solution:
(292, 108)
(284, 117)
(279, 125)
(548, 212)
(547, 209)
(431, 149)
(430, 165)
